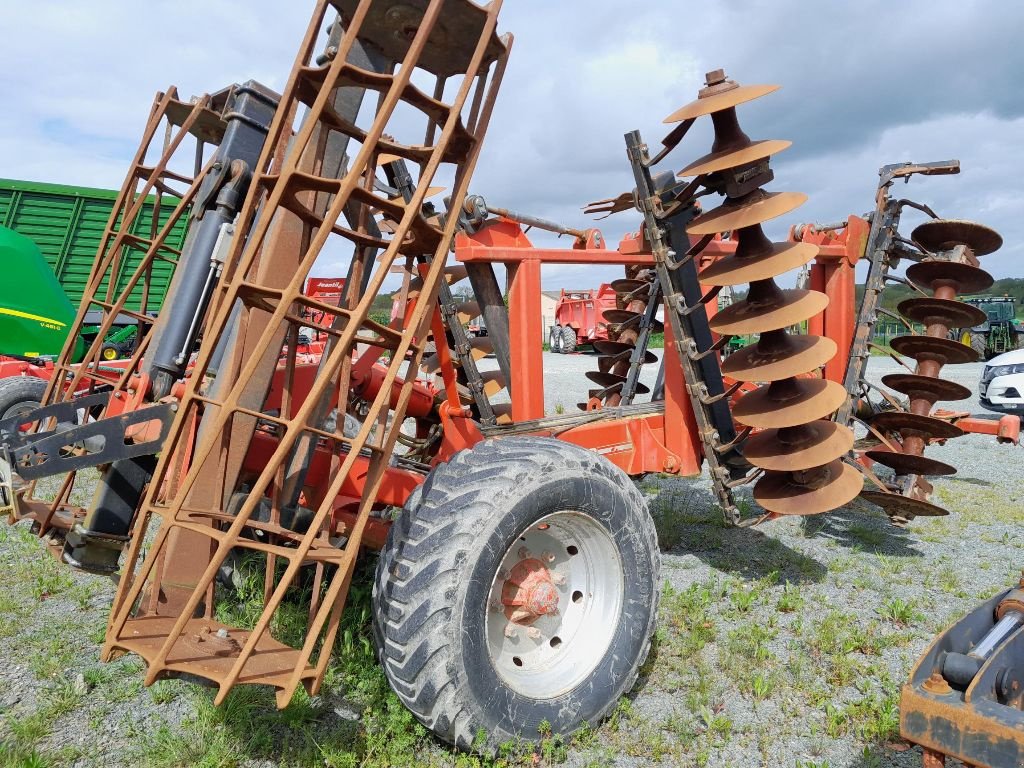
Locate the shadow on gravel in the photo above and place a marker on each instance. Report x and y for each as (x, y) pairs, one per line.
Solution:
(690, 522)
(858, 526)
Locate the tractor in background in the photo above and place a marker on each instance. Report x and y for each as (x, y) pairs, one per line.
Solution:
(999, 332)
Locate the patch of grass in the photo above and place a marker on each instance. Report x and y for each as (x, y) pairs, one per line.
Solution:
(867, 535)
(688, 614)
(671, 513)
(790, 600)
(901, 612)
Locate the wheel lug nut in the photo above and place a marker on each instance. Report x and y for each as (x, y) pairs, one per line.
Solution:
(548, 557)
(558, 579)
(510, 631)
(533, 633)
(523, 553)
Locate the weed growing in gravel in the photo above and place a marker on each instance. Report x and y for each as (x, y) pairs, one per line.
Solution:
(901, 612)
(671, 511)
(791, 599)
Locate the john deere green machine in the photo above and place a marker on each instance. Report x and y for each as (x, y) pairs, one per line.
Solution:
(1000, 331)
(35, 313)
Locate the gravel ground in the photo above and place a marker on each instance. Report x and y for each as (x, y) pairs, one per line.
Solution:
(782, 645)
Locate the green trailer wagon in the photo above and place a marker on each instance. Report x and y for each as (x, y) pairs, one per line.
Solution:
(67, 224)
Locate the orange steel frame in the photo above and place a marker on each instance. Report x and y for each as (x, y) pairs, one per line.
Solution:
(663, 441)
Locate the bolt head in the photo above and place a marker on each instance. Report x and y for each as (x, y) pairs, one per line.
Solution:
(510, 631)
(523, 553)
(533, 633)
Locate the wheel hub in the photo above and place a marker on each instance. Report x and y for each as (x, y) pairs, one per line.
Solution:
(554, 604)
(529, 592)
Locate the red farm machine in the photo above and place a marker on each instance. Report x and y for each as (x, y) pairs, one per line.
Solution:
(579, 318)
(518, 575)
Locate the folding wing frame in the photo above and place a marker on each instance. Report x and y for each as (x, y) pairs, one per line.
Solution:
(210, 506)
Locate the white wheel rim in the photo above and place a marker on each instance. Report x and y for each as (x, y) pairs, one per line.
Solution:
(545, 655)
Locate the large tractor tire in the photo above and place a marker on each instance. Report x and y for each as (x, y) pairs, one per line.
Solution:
(519, 585)
(569, 340)
(20, 395)
(979, 343)
(555, 339)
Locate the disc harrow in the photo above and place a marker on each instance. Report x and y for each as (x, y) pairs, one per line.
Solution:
(796, 446)
(949, 269)
(629, 327)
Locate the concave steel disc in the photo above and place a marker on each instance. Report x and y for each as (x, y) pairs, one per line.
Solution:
(968, 279)
(794, 306)
(729, 216)
(732, 158)
(947, 312)
(621, 316)
(612, 348)
(720, 101)
(913, 424)
(611, 379)
(942, 350)
(946, 234)
(787, 493)
(609, 360)
(905, 507)
(789, 402)
(782, 258)
(910, 464)
(771, 362)
(795, 448)
(925, 387)
(627, 286)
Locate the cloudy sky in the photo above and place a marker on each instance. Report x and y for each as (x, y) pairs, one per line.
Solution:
(863, 84)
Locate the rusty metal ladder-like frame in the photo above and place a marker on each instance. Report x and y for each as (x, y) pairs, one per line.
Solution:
(172, 625)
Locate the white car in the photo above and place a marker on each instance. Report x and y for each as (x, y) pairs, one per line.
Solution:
(1002, 383)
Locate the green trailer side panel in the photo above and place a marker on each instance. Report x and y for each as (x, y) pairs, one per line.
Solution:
(67, 223)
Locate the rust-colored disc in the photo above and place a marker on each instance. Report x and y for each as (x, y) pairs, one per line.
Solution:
(904, 507)
(909, 464)
(794, 306)
(968, 279)
(624, 285)
(945, 351)
(771, 362)
(621, 316)
(608, 380)
(720, 101)
(788, 403)
(945, 234)
(925, 387)
(732, 158)
(912, 423)
(607, 361)
(790, 493)
(948, 312)
(612, 348)
(782, 258)
(795, 448)
(729, 216)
